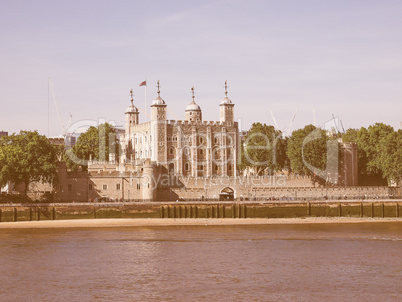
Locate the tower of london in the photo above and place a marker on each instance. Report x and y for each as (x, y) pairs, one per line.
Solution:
(191, 147)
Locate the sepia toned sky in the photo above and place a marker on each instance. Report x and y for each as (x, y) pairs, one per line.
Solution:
(319, 58)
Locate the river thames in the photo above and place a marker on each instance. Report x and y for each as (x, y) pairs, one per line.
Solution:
(308, 262)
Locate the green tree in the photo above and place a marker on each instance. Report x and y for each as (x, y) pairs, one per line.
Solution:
(307, 152)
(369, 142)
(350, 136)
(26, 157)
(95, 143)
(390, 156)
(263, 149)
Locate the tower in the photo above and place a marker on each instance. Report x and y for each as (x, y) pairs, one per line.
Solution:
(131, 114)
(226, 108)
(158, 129)
(193, 111)
(131, 120)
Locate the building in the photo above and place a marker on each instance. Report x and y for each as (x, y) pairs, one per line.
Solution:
(186, 159)
(3, 133)
(191, 147)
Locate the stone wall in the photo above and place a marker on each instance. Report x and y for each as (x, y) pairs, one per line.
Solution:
(199, 210)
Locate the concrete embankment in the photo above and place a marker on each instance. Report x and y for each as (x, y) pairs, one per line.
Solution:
(38, 212)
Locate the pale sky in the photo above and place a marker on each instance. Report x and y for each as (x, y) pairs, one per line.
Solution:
(330, 57)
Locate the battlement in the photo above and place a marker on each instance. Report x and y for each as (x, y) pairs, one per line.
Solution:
(204, 123)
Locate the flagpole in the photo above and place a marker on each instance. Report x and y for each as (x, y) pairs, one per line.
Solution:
(146, 85)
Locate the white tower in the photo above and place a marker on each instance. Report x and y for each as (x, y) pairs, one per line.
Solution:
(158, 129)
(193, 111)
(131, 114)
(226, 108)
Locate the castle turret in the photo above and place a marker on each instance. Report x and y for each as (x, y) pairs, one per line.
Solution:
(148, 181)
(226, 108)
(193, 111)
(131, 114)
(158, 129)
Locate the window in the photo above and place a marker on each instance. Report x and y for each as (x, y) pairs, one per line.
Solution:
(171, 151)
(90, 187)
(216, 140)
(70, 187)
(104, 187)
(216, 167)
(186, 151)
(201, 140)
(201, 151)
(187, 166)
(230, 168)
(117, 186)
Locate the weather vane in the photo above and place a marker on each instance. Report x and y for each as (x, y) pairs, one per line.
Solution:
(158, 88)
(192, 91)
(132, 97)
(226, 88)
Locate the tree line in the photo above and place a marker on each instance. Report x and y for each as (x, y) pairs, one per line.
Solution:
(30, 157)
(307, 151)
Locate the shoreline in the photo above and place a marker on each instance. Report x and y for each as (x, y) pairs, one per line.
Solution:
(151, 222)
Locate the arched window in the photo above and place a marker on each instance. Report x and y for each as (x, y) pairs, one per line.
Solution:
(187, 167)
(171, 151)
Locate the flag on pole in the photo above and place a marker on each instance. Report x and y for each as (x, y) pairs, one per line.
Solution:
(143, 83)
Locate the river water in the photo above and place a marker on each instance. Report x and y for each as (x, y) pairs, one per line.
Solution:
(309, 262)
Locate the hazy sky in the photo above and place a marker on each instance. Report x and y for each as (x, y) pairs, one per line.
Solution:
(331, 57)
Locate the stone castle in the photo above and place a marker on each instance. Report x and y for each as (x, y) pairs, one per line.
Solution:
(162, 160)
(192, 147)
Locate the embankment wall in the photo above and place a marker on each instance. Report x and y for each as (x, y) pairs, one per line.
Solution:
(38, 212)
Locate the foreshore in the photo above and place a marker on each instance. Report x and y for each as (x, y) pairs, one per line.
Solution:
(148, 222)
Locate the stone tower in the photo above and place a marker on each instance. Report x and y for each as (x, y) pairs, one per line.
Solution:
(193, 111)
(158, 130)
(226, 108)
(131, 120)
(131, 114)
(148, 181)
